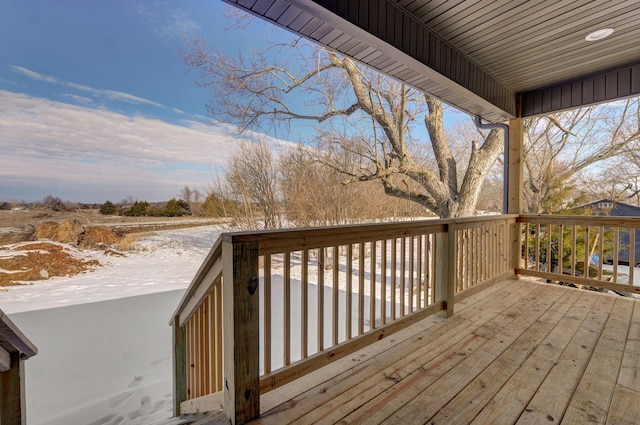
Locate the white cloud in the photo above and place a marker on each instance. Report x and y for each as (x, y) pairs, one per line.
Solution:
(113, 95)
(79, 99)
(34, 75)
(101, 93)
(59, 146)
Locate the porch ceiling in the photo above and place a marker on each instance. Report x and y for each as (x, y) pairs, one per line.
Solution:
(481, 56)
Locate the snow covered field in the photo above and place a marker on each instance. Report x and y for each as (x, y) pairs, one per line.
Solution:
(104, 344)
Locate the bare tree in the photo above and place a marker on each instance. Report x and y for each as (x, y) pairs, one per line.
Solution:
(396, 133)
(254, 181)
(314, 194)
(219, 200)
(560, 146)
(191, 197)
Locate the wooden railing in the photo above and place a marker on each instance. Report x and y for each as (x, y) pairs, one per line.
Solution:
(294, 300)
(585, 251)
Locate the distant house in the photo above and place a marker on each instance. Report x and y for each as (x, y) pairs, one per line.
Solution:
(612, 208)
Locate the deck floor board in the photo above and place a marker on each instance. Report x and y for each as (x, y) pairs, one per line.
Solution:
(518, 352)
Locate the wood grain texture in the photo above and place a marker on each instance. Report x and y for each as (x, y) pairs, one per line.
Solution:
(514, 352)
(241, 336)
(12, 393)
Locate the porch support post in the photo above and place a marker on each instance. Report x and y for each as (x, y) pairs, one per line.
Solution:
(12, 411)
(241, 331)
(516, 166)
(515, 183)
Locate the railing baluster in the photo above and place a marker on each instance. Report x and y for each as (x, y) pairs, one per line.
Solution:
(526, 245)
(428, 269)
(320, 299)
(548, 249)
(587, 250)
(600, 252)
(411, 266)
(419, 300)
(383, 282)
(218, 326)
(336, 293)
(480, 255)
(632, 253)
(616, 248)
(360, 288)
(286, 289)
(189, 353)
(349, 294)
(372, 287)
(561, 248)
(304, 310)
(199, 362)
(211, 351)
(267, 313)
(537, 247)
(394, 259)
(460, 270)
(403, 275)
(573, 250)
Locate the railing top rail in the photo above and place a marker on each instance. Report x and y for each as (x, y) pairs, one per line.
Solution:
(288, 240)
(212, 257)
(584, 220)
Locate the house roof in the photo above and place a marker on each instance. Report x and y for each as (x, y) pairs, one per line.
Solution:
(497, 59)
(617, 208)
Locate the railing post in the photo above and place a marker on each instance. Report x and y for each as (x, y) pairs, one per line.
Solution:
(12, 402)
(179, 365)
(446, 267)
(241, 331)
(515, 247)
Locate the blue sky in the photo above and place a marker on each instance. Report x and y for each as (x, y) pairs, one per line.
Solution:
(96, 103)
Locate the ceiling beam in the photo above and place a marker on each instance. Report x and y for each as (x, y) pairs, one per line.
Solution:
(606, 86)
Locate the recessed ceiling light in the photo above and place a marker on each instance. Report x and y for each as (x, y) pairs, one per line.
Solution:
(599, 34)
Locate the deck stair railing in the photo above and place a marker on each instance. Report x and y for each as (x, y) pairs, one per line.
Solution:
(266, 308)
(584, 251)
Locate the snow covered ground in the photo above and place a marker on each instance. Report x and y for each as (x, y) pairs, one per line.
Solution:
(104, 344)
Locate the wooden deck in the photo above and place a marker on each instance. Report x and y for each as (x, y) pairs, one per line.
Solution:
(517, 352)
